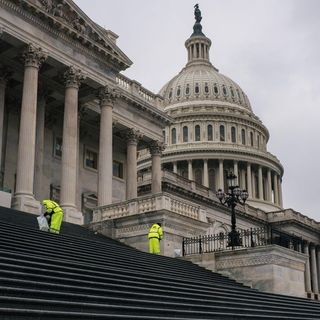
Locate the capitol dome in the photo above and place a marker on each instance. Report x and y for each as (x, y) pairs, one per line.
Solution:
(201, 81)
(214, 130)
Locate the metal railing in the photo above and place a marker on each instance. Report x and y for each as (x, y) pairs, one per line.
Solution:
(254, 237)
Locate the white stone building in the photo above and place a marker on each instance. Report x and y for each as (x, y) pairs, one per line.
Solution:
(72, 127)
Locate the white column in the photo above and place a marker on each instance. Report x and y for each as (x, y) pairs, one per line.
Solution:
(175, 167)
(269, 183)
(280, 192)
(275, 189)
(205, 173)
(236, 171)
(249, 181)
(3, 83)
(156, 148)
(307, 276)
(221, 176)
(190, 170)
(24, 199)
(38, 187)
(133, 137)
(70, 145)
(107, 96)
(314, 274)
(260, 182)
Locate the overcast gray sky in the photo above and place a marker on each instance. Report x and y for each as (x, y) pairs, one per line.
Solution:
(271, 48)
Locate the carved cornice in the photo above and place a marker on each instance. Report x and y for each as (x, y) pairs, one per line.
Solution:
(107, 95)
(64, 19)
(34, 56)
(156, 147)
(73, 77)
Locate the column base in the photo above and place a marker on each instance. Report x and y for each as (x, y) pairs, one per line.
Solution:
(72, 215)
(26, 203)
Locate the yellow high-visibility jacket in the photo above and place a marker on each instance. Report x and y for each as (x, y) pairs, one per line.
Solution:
(56, 215)
(155, 232)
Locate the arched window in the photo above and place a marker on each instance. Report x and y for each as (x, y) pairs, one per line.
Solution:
(222, 136)
(196, 89)
(178, 92)
(198, 176)
(251, 139)
(206, 88)
(197, 132)
(233, 135)
(258, 141)
(210, 133)
(164, 136)
(187, 89)
(173, 136)
(215, 89)
(243, 136)
(185, 134)
(224, 90)
(232, 93)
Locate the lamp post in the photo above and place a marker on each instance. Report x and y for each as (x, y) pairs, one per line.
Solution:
(231, 199)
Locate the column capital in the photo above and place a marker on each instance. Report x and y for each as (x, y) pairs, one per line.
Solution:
(156, 147)
(107, 95)
(34, 56)
(73, 77)
(133, 136)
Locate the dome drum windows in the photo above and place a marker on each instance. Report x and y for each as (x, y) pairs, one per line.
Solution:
(197, 134)
(222, 133)
(224, 91)
(210, 132)
(251, 139)
(215, 89)
(178, 91)
(233, 135)
(206, 88)
(170, 93)
(187, 89)
(243, 136)
(173, 136)
(185, 134)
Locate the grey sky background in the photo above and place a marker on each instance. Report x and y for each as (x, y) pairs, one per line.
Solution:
(271, 48)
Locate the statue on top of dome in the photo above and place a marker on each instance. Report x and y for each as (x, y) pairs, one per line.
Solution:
(197, 13)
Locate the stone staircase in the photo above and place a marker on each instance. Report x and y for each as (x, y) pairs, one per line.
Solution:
(82, 275)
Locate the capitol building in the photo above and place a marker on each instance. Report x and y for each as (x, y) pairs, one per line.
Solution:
(118, 157)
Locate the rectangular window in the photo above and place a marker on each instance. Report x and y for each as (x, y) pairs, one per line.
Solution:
(57, 147)
(117, 169)
(91, 159)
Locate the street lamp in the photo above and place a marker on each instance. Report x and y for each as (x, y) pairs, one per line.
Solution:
(231, 199)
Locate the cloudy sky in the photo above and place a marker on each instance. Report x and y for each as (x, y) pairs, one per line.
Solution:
(271, 48)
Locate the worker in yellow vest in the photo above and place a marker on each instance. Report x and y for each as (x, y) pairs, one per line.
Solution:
(54, 215)
(154, 236)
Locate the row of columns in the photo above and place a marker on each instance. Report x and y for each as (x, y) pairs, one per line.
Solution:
(312, 271)
(245, 176)
(32, 133)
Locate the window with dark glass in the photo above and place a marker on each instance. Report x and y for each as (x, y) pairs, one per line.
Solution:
(197, 132)
(185, 134)
(178, 91)
(164, 135)
(251, 139)
(210, 132)
(206, 88)
(215, 89)
(233, 135)
(174, 136)
(187, 89)
(91, 159)
(170, 94)
(222, 136)
(243, 136)
(239, 96)
(258, 141)
(224, 90)
(232, 93)
(57, 148)
(118, 169)
(196, 89)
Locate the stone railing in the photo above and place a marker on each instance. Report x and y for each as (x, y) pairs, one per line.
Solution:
(177, 180)
(137, 90)
(146, 204)
(290, 214)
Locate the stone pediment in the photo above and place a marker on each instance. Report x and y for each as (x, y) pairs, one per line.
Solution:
(67, 17)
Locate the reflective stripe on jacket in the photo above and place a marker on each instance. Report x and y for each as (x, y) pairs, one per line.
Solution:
(155, 232)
